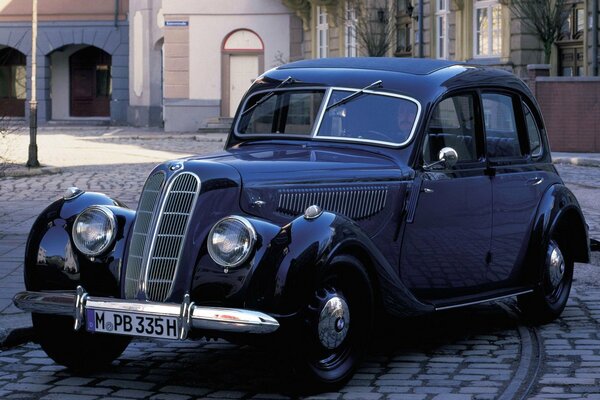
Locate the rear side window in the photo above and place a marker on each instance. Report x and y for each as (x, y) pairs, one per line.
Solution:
(452, 125)
(502, 139)
(533, 133)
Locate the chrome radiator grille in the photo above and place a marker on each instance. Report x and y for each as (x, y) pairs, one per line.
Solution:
(170, 235)
(160, 255)
(141, 229)
(354, 202)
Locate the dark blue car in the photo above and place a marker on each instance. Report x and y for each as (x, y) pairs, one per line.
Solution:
(348, 189)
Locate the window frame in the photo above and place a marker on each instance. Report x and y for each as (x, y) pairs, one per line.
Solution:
(351, 42)
(322, 27)
(489, 6)
(441, 25)
(478, 132)
(520, 127)
(321, 113)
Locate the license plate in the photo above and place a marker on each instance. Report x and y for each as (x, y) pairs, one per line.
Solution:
(122, 323)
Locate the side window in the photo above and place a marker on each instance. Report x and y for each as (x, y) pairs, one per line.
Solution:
(502, 139)
(533, 133)
(452, 125)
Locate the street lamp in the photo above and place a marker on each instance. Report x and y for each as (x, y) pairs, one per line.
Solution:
(32, 161)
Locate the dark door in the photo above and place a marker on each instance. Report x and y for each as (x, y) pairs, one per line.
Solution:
(445, 248)
(90, 83)
(513, 143)
(12, 83)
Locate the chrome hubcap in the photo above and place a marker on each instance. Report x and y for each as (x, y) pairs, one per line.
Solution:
(334, 322)
(555, 263)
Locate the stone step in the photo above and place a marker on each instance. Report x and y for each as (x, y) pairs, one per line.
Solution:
(213, 130)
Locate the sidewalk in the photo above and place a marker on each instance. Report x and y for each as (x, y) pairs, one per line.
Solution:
(91, 157)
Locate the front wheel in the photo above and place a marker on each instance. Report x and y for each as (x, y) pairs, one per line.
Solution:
(548, 301)
(337, 326)
(77, 350)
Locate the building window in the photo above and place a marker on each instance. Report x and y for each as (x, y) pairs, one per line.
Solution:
(403, 39)
(570, 44)
(488, 28)
(350, 31)
(322, 32)
(442, 9)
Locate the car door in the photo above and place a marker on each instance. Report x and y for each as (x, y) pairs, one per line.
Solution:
(512, 146)
(447, 237)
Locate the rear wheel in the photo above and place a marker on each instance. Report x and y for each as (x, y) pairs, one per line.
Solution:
(77, 350)
(550, 298)
(337, 327)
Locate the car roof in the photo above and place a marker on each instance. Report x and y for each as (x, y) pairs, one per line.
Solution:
(421, 78)
(414, 66)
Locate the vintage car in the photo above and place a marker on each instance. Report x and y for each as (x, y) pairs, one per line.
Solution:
(348, 189)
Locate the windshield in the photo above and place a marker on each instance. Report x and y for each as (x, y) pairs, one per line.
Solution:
(373, 117)
(286, 112)
(377, 117)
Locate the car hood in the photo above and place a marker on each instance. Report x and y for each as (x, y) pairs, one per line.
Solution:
(270, 173)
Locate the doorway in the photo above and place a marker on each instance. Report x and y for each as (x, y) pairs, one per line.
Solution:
(90, 82)
(243, 60)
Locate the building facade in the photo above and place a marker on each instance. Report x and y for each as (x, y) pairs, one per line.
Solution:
(479, 31)
(82, 59)
(214, 50)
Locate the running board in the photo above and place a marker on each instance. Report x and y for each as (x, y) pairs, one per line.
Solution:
(466, 301)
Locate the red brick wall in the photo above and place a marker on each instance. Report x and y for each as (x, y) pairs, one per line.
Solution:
(571, 109)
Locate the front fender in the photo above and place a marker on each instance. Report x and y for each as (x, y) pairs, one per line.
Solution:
(53, 263)
(287, 273)
(558, 213)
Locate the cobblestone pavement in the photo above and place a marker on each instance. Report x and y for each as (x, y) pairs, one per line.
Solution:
(482, 352)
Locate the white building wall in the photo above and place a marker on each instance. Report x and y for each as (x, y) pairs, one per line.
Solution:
(206, 38)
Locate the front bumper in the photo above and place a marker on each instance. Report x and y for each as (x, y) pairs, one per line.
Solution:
(189, 315)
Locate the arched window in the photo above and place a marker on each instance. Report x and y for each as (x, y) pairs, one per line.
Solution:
(13, 83)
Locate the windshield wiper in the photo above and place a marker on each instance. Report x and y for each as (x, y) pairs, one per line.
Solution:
(266, 97)
(354, 95)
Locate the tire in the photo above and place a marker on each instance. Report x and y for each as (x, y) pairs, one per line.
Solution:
(336, 328)
(548, 301)
(76, 350)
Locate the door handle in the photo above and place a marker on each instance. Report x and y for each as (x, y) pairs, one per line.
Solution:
(426, 190)
(535, 181)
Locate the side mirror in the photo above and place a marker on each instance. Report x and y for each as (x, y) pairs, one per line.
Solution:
(447, 157)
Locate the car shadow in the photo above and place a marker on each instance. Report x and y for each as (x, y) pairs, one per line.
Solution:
(206, 367)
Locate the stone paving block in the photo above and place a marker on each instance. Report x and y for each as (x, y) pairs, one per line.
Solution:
(169, 396)
(74, 381)
(132, 394)
(86, 390)
(125, 384)
(406, 397)
(61, 396)
(26, 387)
(192, 391)
(362, 396)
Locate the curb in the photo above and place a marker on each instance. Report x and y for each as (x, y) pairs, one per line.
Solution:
(583, 162)
(25, 171)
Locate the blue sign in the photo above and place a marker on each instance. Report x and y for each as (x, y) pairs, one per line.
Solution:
(176, 23)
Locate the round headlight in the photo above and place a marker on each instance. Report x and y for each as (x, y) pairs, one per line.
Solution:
(94, 230)
(230, 241)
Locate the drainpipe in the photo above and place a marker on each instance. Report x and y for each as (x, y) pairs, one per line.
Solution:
(594, 37)
(420, 28)
(116, 14)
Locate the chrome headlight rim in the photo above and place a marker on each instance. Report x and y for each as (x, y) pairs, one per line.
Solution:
(112, 219)
(252, 237)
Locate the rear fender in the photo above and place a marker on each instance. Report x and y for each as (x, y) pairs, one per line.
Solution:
(53, 263)
(558, 215)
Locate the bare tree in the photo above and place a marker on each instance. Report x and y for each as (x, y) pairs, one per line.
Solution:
(375, 25)
(545, 18)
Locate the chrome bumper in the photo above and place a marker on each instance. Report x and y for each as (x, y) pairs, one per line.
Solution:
(190, 316)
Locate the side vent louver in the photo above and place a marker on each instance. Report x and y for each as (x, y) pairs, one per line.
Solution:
(354, 202)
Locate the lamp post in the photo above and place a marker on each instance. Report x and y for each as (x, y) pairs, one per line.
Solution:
(32, 161)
